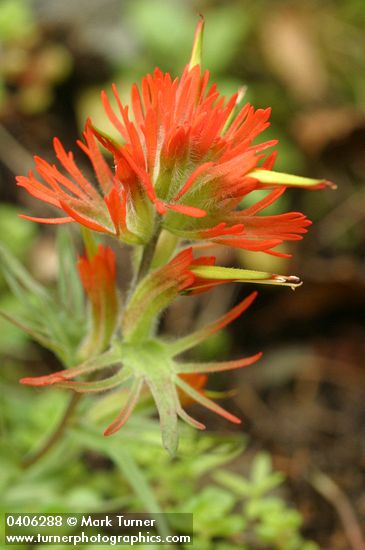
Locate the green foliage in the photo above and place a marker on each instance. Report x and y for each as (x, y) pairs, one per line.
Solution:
(53, 320)
(215, 347)
(12, 338)
(139, 475)
(213, 512)
(22, 234)
(268, 518)
(16, 19)
(231, 510)
(22, 239)
(130, 472)
(150, 20)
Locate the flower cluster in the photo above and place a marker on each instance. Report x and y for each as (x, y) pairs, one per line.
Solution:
(187, 160)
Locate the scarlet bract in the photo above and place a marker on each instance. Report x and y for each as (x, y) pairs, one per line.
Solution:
(187, 160)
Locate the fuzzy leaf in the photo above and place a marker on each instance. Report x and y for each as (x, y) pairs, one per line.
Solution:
(106, 359)
(208, 403)
(164, 394)
(19, 279)
(218, 366)
(44, 317)
(37, 335)
(127, 410)
(244, 276)
(270, 177)
(69, 286)
(97, 386)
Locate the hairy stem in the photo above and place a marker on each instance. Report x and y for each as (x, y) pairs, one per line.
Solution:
(55, 436)
(147, 257)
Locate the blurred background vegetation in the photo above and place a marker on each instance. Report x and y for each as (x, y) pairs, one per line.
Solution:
(304, 402)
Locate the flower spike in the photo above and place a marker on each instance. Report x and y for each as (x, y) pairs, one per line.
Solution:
(188, 158)
(185, 168)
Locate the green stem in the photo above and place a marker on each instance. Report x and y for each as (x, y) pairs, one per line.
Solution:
(90, 243)
(55, 436)
(147, 257)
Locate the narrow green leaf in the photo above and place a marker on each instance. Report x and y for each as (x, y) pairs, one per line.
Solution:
(138, 481)
(97, 386)
(164, 394)
(31, 331)
(106, 359)
(217, 366)
(189, 419)
(237, 275)
(235, 483)
(208, 403)
(196, 54)
(151, 296)
(270, 177)
(69, 286)
(17, 275)
(127, 409)
(129, 468)
(90, 242)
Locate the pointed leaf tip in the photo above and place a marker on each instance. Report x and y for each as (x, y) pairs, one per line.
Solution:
(196, 52)
(164, 393)
(127, 409)
(47, 380)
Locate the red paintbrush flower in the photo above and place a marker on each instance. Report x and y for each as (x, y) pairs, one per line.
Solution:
(188, 162)
(98, 277)
(101, 207)
(189, 152)
(182, 154)
(189, 159)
